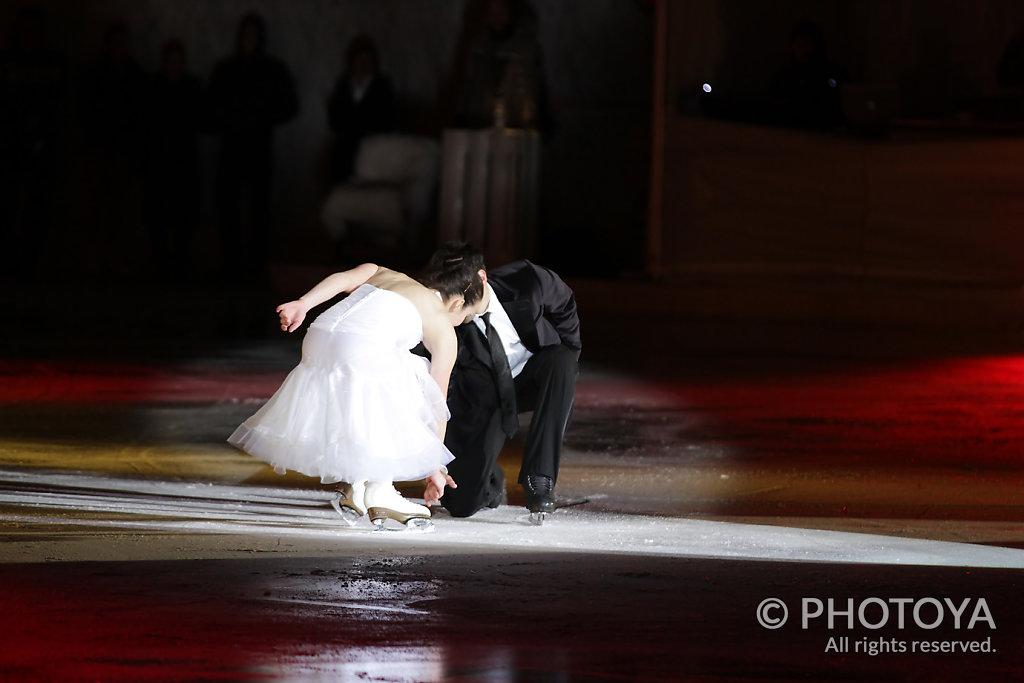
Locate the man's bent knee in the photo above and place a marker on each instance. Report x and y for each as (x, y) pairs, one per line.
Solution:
(460, 508)
(559, 357)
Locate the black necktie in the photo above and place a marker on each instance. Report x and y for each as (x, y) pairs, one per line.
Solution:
(503, 375)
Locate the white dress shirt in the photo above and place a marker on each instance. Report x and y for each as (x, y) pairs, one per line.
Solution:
(517, 353)
(359, 88)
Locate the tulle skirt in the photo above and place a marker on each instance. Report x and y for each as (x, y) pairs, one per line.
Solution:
(353, 409)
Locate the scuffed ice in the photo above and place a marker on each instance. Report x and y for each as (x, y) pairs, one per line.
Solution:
(168, 506)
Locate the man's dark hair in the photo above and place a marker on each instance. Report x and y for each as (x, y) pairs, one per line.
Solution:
(453, 271)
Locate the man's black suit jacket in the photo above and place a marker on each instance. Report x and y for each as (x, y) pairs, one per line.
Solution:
(542, 308)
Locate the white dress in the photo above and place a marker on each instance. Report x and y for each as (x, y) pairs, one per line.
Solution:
(359, 406)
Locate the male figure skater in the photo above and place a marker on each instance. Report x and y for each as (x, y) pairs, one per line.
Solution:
(518, 353)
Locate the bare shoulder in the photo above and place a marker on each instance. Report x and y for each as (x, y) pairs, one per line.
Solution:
(425, 300)
(385, 278)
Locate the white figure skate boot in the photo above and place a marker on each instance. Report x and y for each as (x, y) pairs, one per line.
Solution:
(349, 501)
(383, 502)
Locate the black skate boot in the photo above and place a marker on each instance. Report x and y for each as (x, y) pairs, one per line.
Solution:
(540, 497)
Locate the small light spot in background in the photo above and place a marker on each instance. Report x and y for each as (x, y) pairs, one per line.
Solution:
(706, 87)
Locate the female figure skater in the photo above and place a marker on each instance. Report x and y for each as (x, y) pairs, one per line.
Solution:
(360, 408)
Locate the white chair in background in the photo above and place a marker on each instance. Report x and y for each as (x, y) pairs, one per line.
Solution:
(390, 194)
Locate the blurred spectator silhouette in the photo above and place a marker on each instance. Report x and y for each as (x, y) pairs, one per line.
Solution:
(361, 104)
(805, 91)
(111, 101)
(383, 182)
(112, 96)
(173, 122)
(502, 80)
(31, 93)
(251, 93)
(1010, 73)
(936, 86)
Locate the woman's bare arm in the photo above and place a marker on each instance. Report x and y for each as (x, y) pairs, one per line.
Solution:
(333, 285)
(440, 340)
(294, 312)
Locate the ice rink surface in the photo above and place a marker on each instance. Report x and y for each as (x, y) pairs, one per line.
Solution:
(188, 508)
(740, 516)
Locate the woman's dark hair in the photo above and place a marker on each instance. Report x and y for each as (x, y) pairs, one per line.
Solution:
(453, 270)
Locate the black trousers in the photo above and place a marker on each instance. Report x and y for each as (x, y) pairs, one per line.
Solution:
(546, 386)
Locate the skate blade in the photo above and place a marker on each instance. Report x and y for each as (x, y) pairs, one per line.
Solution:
(537, 518)
(416, 525)
(350, 515)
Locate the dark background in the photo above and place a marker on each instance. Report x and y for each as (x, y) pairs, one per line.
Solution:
(597, 57)
(599, 63)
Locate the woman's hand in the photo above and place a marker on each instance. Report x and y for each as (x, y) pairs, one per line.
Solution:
(435, 487)
(292, 314)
